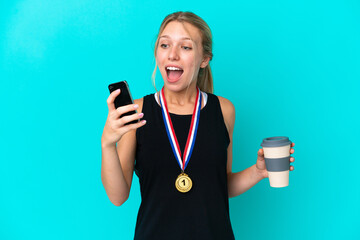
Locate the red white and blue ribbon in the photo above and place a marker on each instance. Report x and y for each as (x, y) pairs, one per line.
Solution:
(182, 161)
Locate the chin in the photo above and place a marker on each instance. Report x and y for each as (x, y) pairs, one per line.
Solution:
(176, 87)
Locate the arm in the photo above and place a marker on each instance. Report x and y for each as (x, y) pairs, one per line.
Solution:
(118, 164)
(238, 182)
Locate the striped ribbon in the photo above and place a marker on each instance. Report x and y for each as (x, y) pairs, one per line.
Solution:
(192, 131)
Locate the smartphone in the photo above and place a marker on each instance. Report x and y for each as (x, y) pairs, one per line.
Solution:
(124, 98)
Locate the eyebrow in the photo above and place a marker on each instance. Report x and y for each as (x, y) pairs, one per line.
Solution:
(184, 38)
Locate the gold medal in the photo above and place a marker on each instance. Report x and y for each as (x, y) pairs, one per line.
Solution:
(183, 183)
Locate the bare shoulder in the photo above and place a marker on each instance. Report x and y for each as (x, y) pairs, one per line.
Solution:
(228, 111)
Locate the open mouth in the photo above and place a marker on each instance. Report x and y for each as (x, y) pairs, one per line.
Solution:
(174, 73)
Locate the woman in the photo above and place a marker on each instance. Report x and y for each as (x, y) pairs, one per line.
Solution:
(183, 150)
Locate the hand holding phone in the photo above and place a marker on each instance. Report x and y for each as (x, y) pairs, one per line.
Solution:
(124, 98)
(122, 116)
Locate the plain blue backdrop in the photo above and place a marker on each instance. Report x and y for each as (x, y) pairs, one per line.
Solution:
(290, 68)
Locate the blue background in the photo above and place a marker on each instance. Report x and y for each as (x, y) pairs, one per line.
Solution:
(290, 68)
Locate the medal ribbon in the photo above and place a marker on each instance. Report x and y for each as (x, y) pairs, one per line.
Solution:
(192, 131)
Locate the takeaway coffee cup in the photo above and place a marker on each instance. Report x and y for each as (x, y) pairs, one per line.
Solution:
(277, 160)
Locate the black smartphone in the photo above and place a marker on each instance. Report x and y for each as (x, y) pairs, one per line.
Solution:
(124, 98)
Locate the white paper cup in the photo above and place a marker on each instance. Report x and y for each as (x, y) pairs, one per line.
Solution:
(277, 160)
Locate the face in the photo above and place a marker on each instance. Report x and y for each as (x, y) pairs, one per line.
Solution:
(179, 55)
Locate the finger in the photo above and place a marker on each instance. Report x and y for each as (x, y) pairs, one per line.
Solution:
(261, 153)
(292, 168)
(126, 119)
(292, 159)
(111, 99)
(292, 150)
(134, 126)
(124, 109)
(292, 144)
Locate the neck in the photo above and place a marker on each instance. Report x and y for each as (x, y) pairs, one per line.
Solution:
(181, 98)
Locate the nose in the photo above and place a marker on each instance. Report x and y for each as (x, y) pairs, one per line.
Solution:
(173, 54)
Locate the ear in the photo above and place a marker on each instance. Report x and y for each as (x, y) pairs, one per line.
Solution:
(205, 62)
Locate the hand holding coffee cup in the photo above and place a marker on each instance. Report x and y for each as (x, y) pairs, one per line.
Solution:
(275, 157)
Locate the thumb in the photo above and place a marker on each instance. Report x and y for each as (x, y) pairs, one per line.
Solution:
(261, 154)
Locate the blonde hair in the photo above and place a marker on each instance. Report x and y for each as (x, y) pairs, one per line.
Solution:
(204, 79)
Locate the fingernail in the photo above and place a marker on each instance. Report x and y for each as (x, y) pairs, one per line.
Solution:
(141, 114)
(117, 90)
(143, 121)
(136, 106)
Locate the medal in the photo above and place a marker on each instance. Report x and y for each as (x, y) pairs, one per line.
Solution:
(183, 182)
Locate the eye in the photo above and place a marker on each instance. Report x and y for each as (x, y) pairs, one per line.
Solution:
(187, 48)
(164, 45)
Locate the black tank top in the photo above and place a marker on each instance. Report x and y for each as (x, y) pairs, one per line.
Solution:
(165, 213)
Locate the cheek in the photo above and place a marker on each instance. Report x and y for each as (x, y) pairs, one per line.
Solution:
(160, 56)
(192, 63)
(189, 59)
